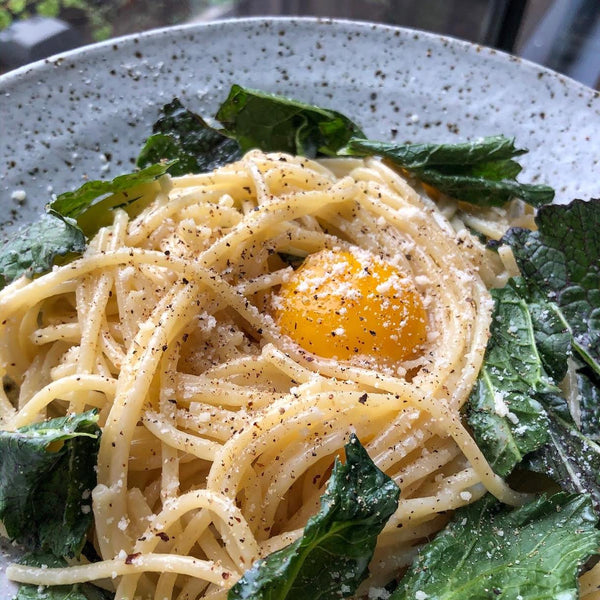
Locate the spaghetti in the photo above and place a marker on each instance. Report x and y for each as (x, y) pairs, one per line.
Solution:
(219, 431)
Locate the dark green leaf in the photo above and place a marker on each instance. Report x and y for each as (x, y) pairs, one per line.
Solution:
(550, 330)
(496, 170)
(552, 265)
(331, 557)
(480, 172)
(183, 135)
(34, 248)
(93, 203)
(569, 451)
(588, 389)
(562, 259)
(421, 156)
(486, 192)
(47, 472)
(570, 457)
(275, 123)
(293, 260)
(74, 204)
(488, 551)
(77, 591)
(58, 592)
(506, 418)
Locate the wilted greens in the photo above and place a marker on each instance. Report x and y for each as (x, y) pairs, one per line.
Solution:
(47, 473)
(332, 556)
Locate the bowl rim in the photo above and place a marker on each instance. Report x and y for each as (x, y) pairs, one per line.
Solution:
(487, 52)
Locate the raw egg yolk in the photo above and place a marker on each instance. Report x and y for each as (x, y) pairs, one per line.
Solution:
(340, 305)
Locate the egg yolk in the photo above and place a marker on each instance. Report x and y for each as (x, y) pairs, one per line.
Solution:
(341, 305)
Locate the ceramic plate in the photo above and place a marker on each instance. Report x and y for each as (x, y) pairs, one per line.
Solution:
(84, 114)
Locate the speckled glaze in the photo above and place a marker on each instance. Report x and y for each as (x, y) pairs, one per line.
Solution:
(84, 114)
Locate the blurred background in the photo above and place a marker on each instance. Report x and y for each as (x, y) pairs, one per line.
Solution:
(561, 34)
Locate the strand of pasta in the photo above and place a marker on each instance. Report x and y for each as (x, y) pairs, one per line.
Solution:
(221, 507)
(66, 332)
(438, 409)
(170, 481)
(241, 449)
(170, 435)
(135, 379)
(589, 583)
(134, 382)
(275, 211)
(175, 508)
(72, 383)
(26, 338)
(198, 523)
(158, 563)
(7, 410)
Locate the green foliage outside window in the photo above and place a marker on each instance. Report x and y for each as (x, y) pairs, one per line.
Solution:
(98, 20)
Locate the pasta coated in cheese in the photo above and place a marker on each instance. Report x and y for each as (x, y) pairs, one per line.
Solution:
(227, 382)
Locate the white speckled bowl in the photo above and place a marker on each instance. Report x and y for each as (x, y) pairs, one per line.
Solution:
(84, 114)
